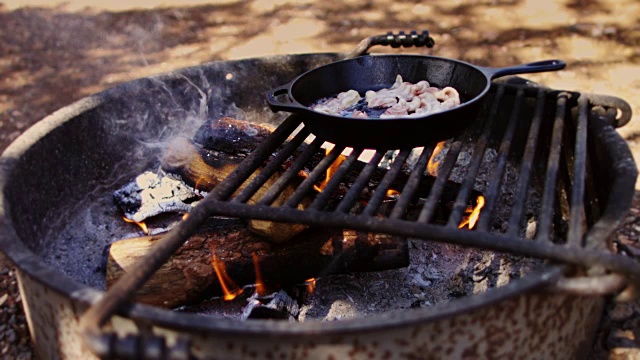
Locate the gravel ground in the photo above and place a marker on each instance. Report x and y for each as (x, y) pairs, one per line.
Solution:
(55, 52)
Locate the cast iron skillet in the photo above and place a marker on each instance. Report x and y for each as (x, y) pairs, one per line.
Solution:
(374, 72)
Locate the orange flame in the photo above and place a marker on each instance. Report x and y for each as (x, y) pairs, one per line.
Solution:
(142, 225)
(392, 192)
(198, 183)
(433, 164)
(185, 216)
(330, 171)
(260, 288)
(472, 214)
(229, 288)
(311, 285)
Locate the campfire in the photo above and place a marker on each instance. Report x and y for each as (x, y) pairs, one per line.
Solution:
(262, 264)
(304, 236)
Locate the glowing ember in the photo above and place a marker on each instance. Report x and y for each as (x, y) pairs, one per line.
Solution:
(311, 285)
(185, 216)
(433, 164)
(392, 193)
(472, 214)
(142, 225)
(229, 288)
(260, 288)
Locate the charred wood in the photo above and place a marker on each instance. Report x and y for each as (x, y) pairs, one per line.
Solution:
(203, 169)
(231, 136)
(275, 306)
(217, 149)
(189, 275)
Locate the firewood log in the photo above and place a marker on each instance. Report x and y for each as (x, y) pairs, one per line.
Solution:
(216, 150)
(203, 169)
(189, 275)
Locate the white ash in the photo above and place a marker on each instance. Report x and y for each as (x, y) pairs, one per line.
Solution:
(155, 193)
(437, 273)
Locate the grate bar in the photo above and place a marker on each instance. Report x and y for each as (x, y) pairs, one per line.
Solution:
(576, 230)
(361, 181)
(120, 295)
(527, 162)
(498, 174)
(381, 191)
(429, 208)
(314, 176)
(272, 167)
(475, 163)
(553, 167)
(412, 184)
(223, 190)
(483, 240)
(321, 199)
(279, 185)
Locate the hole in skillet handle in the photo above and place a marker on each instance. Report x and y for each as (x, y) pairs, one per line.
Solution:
(275, 104)
(534, 67)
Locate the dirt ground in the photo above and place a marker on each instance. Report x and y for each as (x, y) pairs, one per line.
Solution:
(55, 52)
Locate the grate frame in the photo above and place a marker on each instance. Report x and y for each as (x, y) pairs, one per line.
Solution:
(584, 246)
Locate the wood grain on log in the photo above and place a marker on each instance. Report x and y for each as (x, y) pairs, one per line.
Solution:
(189, 275)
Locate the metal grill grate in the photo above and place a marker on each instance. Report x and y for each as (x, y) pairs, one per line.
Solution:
(550, 134)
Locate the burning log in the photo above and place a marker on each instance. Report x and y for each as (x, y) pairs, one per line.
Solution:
(199, 165)
(192, 168)
(203, 169)
(190, 274)
(217, 149)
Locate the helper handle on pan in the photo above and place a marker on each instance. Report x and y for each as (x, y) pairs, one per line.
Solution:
(534, 67)
(277, 105)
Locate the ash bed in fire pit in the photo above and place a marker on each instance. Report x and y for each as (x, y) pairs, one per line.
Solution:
(524, 153)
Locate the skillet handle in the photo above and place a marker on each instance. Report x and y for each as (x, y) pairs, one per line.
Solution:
(393, 40)
(404, 40)
(534, 67)
(276, 105)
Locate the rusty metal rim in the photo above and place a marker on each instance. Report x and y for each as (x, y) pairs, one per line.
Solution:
(31, 264)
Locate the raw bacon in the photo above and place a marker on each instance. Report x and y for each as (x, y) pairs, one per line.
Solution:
(334, 105)
(402, 99)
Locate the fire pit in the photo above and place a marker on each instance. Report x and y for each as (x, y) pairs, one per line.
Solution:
(532, 152)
